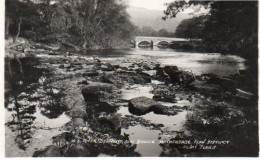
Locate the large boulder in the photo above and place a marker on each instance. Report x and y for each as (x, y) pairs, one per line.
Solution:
(170, 70)
(105, 107)
(145, 76)
(106, 78)
(74, 123)
(160, 74)
(77, 112)
(143, 105)
(50, 151)
(62, 139)
(112, 121)
(159, 109)
(93, 92)
(186, 78)
(78, 150)
(173, 73)
(78, 122)
(96, 109)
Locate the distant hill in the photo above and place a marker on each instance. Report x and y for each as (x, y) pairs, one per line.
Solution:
(145, 17)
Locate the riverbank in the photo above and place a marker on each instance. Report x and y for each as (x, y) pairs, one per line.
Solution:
(26, 48)
(105, 105)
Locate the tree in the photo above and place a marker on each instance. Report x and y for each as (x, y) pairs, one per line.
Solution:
(232, 28)
(191, 28)
(149, 31)
(229, 27)
(74, 23)
(163, 33)
(19, 14)
(145, 31)
(88, 23)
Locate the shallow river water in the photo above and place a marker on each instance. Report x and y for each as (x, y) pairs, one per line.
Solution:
(197, 63)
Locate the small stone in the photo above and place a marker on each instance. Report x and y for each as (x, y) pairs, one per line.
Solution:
(85, 82)
(91, 74)
(61, 66)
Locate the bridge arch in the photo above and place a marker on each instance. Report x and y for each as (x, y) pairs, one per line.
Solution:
(178, 44)
(162, 44)
(144, 43)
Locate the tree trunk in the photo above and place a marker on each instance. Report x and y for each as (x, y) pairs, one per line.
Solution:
(7, 24)
(18, 30)
(96, 6)
(20, 65)
(48, 2)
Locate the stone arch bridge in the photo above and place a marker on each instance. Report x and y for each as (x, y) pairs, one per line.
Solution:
(156, 41)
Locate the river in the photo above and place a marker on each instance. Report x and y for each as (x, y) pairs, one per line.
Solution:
(44, 127)
(197, 63)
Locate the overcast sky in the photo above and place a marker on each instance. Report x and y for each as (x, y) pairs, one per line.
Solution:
(149, 4)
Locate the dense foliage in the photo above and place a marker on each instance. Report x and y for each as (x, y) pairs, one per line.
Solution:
(149, 31)
(76, 23)
(230, 27)
(192, 27)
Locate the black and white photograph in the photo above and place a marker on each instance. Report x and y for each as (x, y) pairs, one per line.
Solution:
(130, 78)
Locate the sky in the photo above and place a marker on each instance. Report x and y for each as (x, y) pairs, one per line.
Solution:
(159, 5)
(149, 4)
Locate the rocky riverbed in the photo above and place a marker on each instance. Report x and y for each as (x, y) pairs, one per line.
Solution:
(66, 105)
